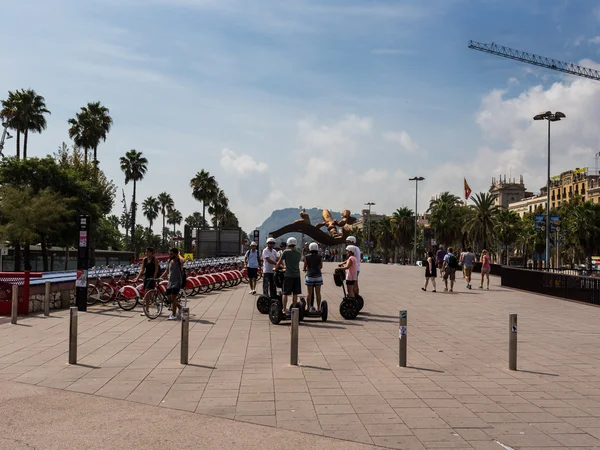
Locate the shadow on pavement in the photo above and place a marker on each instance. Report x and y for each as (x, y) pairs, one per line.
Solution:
(306, 366)
(426, 370)
(538, 373)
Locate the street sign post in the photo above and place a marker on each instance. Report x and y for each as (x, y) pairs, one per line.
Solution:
(81, 282)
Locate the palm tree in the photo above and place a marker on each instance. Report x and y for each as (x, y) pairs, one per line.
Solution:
(174, 217)
(204, 189)
(166, 204)
(229, 219)
(445, 217)
(480, 223)
(383, 231)
(89, 127)
(194, 220)
(134, 166)
(24, 112)
(506, 228)
(150, 208)
(218, 205)
(584, 224)
(403, 223)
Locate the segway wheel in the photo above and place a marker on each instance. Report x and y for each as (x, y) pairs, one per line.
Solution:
(263, 304)
(302, 310)
(275, 313)
(324, 311)
(361, 302)
(349, 308)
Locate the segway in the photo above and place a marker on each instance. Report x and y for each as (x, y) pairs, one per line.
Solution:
(263, 303)
(350, 306)
(276, 314)
(322, 314)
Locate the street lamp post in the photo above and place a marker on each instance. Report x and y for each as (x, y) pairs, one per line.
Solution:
(369, 204)
(550, 117)
(416, 180)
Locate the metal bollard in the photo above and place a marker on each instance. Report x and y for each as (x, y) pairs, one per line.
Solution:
(294, 342)
(403, 338)
(512, 341)
(15, 304)
(47, 299)
(185, 334)
(73, 336)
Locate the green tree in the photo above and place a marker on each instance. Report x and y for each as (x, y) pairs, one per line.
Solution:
(195, 220)
(479, 224)
(229, 219)
(174, 217)
(217, 207)
(403, 224)
(89, 127)
(134, 166)
(584, 224)
(446, 217)
(383, 231)
(166, 204)
(506, 229)
(108, 234)
(204, 189)
(151, 207)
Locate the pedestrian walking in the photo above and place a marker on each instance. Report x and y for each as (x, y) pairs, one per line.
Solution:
(467, 261)
(430, 271)
(485, 269)
(449, 266)
(439, 258)
(252, 262)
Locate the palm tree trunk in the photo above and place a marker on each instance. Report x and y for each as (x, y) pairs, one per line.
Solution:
(203, 213)
(85, 157)
(18, 144)
(27, 256)
(17, 255)
(163, 230)
(133, 208)
(96, 159)
(26, 133)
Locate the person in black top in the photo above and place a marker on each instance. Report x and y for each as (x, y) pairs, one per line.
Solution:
(313, 264)
(430, 271)
(149, 268)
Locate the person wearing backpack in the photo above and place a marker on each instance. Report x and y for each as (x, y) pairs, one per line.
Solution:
(449, 267)
(176, 277)
(252, 262)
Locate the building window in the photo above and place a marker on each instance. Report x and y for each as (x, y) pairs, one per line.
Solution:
(529, 208)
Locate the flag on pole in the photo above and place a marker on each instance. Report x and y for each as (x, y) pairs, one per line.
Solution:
(467, 190)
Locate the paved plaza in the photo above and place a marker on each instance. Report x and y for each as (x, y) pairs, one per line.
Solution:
(456, 393)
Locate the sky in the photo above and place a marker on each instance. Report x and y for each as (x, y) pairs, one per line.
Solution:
(310, 103)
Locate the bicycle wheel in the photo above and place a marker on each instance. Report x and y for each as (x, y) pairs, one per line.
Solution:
(126, 303)
(92, 294)
(153, 304)
(106, 293)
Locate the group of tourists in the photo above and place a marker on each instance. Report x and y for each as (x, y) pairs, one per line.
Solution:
(288, 260)
(448, 263)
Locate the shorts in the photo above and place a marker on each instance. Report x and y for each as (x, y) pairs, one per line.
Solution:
(450, 272)
(468, 270)
(485, 271)
(252, 273)
(350, 282)
(149, 283)
(440, 264)
(313, 281)
(172, 291)
(292, 286)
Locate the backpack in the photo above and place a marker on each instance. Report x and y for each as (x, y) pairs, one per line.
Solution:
(452, 262)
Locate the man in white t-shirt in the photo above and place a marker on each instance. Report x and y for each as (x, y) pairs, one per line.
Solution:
(269, 257)
(351, 240)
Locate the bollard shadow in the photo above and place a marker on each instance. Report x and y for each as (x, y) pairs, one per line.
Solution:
(204, 322)
(22, 324)
(327, 327)
(306, 366)
(87, 366)
(538, 373)
(201, 366)
(426, 370)
(371, 319)
(385, 316)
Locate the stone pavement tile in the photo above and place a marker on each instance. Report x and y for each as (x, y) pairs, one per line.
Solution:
(270, 421)
(321, 392)
(424, 422)
(528, 440)
(379, 418)
(217, 401)
(593, 431)
(295, 396)
(415, 412)
(454, 412)
(538, 417)
(87, 385)
(465, 422)
(500, 417)
(406, 403)
(56, 382)
(557, 428)
(334, 409)
(442, 403)
(328, 400)
(216, 410)
(577, 440)
(257, 397)
(388, 429)
(373, 408)
(255, 408)
(405, 394)
(294, 405)
(296, 414)
(485, 445)
(566, 412)
(339, 422)
(118, 388)
(304, 425)
(472, 434)
(356, 435)
(440, 438)
(358, 399)
(582, 422)
(132, 374)
(183, 396)
(150, 392)
(522, 408)
(163, 375)
(399, 442)
(220, 393)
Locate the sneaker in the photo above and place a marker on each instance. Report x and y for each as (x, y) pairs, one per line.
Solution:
(451, 290)
(423, 289)
(487, 288)
(172, 317)
(434, 290)
(480, 287)
(445, 289)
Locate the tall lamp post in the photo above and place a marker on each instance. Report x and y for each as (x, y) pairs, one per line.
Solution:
(550, 117)
(416, 180)
(369, 246)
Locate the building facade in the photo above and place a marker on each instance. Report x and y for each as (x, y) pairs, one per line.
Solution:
(508, 191)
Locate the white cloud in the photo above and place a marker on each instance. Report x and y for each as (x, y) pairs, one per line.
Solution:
(375, 176)
(594, 40)
(402, 138)
(242, 164)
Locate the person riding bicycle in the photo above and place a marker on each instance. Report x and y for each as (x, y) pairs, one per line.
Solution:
(291, 282)
(175, 271)
(150, 267)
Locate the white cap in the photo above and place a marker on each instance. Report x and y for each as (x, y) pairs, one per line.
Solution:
(253, 244)
(313, 247)
(351, 248)
(351, 239)
(270, 240)
(292, 241)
